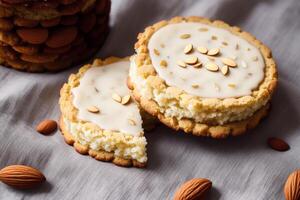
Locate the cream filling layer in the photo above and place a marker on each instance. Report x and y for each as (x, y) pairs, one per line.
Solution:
(122, 145)
(172, 105)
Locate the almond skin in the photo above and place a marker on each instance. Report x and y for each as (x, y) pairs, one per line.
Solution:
(33, 36)
(193, 189)
(292, 186)
(62, 37)
(278, 144)
(21, 176)
(46, 127)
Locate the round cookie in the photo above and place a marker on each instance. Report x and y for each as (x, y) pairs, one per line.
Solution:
(100, 118)
(203, 77)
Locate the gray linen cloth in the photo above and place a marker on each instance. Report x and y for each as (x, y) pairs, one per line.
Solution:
(241, 168)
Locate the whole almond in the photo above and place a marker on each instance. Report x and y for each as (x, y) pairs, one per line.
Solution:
(62, 37)
(278, 144)
(46, 127)
(34, 35)
(292, 186)
(21, 176)
(193, 189)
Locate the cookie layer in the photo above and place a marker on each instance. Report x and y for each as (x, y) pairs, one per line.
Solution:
(37, 10)
(177, 104)
(54, 44)
(90, 123)
(100, 155)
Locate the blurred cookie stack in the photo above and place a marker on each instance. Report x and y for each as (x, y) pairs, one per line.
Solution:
(51, 35)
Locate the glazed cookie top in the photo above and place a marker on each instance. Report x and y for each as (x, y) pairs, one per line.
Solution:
(103, 98)
(205, 60)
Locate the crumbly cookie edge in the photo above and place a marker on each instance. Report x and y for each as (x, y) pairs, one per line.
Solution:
(200, 129)
(98, 155)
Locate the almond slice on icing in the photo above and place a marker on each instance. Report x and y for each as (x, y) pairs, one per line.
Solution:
(203, 29)
(163, 63)
(232, 85)
(93, 109)
(197, 65)
(132, 122)
(229, 62)
(185, 36)
(202, 50)
(214, 37)
(117, 98)
(225, 70)
(181, 64)
(212, 67)
(188, 49)
(125, 100)
(191, 60)
(195, 86)
(213, 52)
(156, 52)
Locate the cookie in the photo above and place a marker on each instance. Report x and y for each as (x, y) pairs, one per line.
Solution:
(203, 77)
(100, 118)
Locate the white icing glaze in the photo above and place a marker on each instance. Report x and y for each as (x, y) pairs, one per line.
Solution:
(246, 76)
(96, 88)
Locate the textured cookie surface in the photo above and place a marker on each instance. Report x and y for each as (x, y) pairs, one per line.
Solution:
(52, 44)
(100, 118)
(193, 71)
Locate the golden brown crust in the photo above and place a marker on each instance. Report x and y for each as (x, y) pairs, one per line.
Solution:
(146, 71)
(98, 155)
(200, 129)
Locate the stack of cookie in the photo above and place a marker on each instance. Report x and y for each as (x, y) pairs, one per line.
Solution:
(51, 35)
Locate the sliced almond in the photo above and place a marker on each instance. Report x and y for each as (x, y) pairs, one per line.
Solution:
(93, 109)
(125, 99)
(117, 98)
(202, 50)
(156, 52)
(213, 52)
(237, 46)
(225, 43)
(185, 36)
(181, 64)
(132, 122)
(163, 63)
(195, 86)
(229, 62)
(197, 65)
(255, 58)
(203, 29)
(191, 60)
(244, 64)
(212, 67)
(214, 37)
(225, 70)
(232, 85)
(188, 49)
